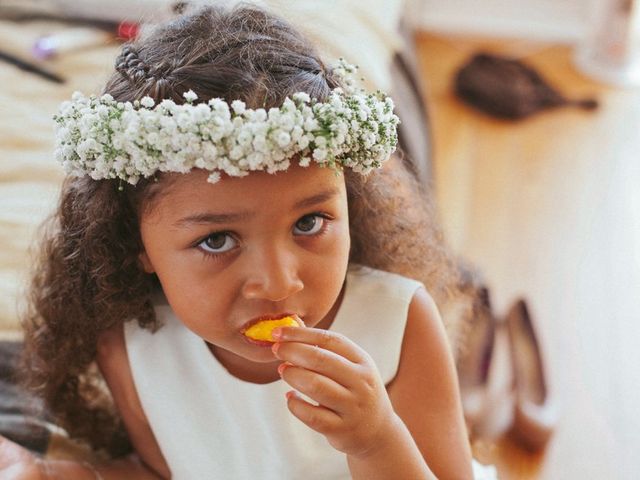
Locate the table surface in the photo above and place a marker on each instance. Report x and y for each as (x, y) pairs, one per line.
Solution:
(549, 208)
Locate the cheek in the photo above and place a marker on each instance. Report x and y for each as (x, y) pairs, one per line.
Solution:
(200, 305)
(343, 242)
(332, 267)
(190, 284)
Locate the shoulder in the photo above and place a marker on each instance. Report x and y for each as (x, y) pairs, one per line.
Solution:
(424, 332)
(381, 282)
(426, 372)
(423, 315)
(425, 391)
(113, 362)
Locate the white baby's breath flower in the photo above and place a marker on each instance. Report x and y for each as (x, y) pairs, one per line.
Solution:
(153, 138)
(190, 96)
(296, 133)
(287, 121)
(303, 142)
(310, 124)
(304, 161)
(214, 177)
(259, 115)
(320, 141)
(283, 139)
(260, 143)
(320, 154)
(238, 107)
(200, 113)
(103, 111)
(301, 97)
(103, 138)
(244, 137)
(147, 102)
(236, 153)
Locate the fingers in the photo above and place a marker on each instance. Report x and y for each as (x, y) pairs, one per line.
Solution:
(316, 359)
(325, 339)
(319, 388)
(318, 418)
(328, 368)
(328, 354)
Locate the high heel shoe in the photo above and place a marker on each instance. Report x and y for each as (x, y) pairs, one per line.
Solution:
(535, 413)
(485, 388)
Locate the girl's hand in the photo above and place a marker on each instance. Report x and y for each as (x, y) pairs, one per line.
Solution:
(354, 412)
(18, 463)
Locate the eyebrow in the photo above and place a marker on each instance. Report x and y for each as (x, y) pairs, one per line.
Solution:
(207, 218)
(316, 199)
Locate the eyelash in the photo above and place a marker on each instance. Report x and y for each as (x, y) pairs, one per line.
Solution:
(326, 218)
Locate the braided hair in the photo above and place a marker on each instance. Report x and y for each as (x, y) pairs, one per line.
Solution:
(246, 54)
(132, 67)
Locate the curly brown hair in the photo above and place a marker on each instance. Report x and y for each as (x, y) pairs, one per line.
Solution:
(88, 278)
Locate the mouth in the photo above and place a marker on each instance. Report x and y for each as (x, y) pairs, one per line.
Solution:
(258, 330)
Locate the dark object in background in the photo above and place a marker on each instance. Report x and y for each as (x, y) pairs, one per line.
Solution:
(506, 88)
(414, 131)
(30, 67)
(22, 416)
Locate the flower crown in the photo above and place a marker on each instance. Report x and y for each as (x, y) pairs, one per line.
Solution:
(104, 139)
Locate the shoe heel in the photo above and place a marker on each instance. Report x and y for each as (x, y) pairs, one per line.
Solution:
(535, 414)
(484, 386)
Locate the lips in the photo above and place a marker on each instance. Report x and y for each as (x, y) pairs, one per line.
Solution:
(259, 330)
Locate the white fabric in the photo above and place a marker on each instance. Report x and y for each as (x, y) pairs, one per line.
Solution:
(210, 424)
(484, 472)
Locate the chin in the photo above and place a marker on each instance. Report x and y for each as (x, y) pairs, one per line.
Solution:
(264, 355)
(256, 353)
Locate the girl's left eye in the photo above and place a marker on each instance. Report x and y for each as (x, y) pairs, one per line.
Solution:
(309, 225)
(218, 243)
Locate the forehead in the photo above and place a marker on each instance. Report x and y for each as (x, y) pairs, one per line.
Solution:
(257, 191)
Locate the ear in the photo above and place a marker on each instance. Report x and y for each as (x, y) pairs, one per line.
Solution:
(147, 266)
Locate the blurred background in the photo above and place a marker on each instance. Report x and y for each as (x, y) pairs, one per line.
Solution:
(538, 194)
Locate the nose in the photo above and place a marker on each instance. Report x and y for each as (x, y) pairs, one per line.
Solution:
(273, 275)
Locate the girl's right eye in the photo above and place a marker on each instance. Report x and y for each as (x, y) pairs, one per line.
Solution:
(217, 243)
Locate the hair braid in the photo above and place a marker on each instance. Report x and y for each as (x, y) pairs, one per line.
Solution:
(135, 70)
(130, 65)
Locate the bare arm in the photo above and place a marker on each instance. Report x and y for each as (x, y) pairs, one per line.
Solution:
(395, 457)
(425, 392)
(415, 430)
(113, 362)
(425, 398)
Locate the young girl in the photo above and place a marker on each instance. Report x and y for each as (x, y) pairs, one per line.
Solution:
(231, 179)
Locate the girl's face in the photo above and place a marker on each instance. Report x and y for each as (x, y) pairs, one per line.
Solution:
(264, 245)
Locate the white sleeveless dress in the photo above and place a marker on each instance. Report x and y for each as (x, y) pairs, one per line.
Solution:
(212, 425)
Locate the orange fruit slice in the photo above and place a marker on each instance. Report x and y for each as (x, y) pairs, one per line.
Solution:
(263, 329)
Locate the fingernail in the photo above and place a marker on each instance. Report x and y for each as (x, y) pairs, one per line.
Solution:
(281, 368)
(276, 333)
(290, 394)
